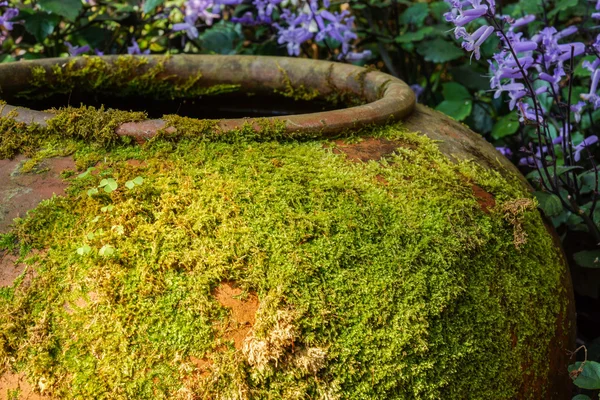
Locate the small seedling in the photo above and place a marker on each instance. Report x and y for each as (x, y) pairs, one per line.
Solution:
(107, 250)
(138, 180)
(86, 173)
(85, 249)
(109, 185)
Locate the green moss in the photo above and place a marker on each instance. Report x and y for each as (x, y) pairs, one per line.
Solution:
(297, 92)
(126, 76)
(377, 280)
(88, 123)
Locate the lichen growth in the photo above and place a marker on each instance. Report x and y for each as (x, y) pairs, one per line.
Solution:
(126, 76)
(397, 290)
(514, 212)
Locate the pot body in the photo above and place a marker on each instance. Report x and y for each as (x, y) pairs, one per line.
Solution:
(489, 193)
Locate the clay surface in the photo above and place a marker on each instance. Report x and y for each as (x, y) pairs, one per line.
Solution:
(20, 192)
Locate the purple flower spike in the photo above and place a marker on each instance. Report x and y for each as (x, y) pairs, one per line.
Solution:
(588, 141)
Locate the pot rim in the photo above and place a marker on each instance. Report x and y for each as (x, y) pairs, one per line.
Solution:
(388, 98)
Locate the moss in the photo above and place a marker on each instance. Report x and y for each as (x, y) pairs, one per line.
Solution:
(397, 290)
(347, 97)
(87, 123)
(298, 92)
(126, 76)
(261, 129)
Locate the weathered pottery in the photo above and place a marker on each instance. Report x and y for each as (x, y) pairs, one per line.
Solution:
(340, 242)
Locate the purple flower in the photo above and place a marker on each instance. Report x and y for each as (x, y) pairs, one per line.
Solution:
(76, 50)
(357, 56)
(200, 9)
(522, 21)
(577, 109)
(249, 19)
(475, 40)
(592, 97)
(5, 18)
(418, 89)
(188, 26)
(295, 33)
(135, 48)
(588, 141)
(505, 151)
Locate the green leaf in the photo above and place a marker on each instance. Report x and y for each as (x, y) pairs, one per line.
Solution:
(65, 8)
(506, 126)
(588, 377)
(439, 50)
(587, 181)
(109, 185)
(150, 5)
(457, 109)
(221, 39)
(549, 203)
(129, 184)
(92, 192)
(86, 173)
(471, 78)
(410, 37)
(562, 5)
(40, 25)
(455, 92)
(588, 259)
(458, 102)
(138, 180)
(531, 6)
(85, 249)
(583, 72)
(581, 397)
(438, 9)
(480, 120)
(415, 14)
(106, 250)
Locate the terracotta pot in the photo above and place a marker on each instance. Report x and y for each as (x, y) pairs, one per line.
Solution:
(386, 100)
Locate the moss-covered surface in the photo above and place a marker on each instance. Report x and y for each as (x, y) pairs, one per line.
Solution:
(129, 76)
(124, 77)
(376, 280)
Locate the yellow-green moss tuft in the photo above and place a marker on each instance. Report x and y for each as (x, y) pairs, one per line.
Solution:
(126, 76)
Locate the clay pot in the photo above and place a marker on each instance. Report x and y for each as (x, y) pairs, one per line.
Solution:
(385, 100)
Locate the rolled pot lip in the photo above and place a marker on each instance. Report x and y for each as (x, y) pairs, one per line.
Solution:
(392, 99)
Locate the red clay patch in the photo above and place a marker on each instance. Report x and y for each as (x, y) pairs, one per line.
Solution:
(16, 383)
(9, 270)
(486, 200)
(368, 148)
(202, 365)
(20, 192)
(136, 163)
(243, 312)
